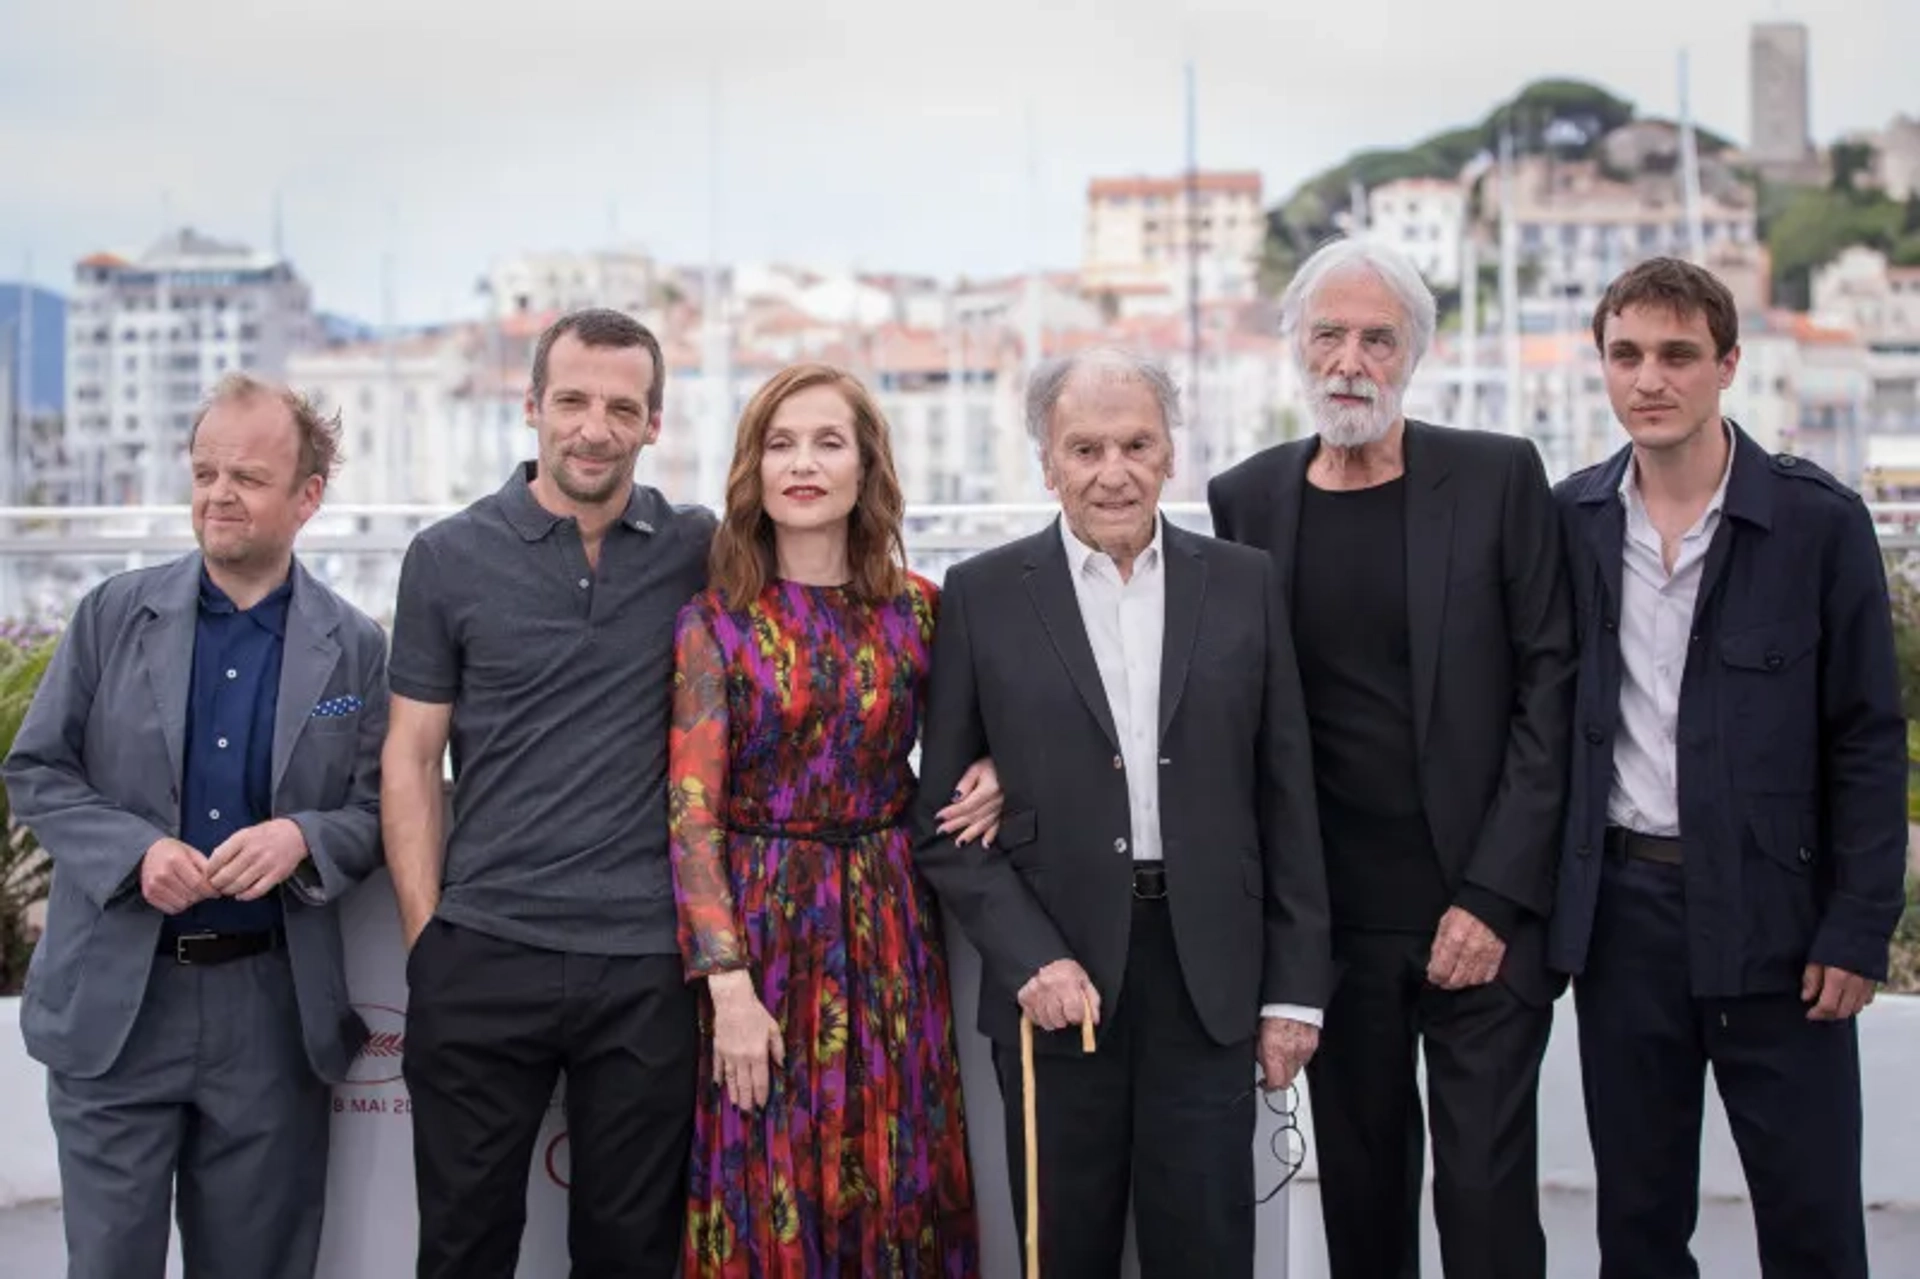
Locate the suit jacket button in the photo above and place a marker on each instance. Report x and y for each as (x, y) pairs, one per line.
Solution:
(1595, 736)
(1119, 845)
(1585, 850)
(1805, 856)
(1774, 661)
(1117, 763)
(1609, 625)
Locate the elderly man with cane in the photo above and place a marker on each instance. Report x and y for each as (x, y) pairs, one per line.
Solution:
(1157, 881)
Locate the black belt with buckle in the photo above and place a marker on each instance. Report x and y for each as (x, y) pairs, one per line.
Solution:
(1149, 881)
(220, 948)
(1663, 849)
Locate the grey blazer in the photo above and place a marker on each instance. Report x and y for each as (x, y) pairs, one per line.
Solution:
(95, 773)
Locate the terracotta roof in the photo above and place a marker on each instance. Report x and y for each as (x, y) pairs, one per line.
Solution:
(103, 259)
(1419, 183)
(1801, 328)
(899, 349)
(1067, 280)
(530, 324)
(1216, 182)
(779, 317)
(1552, 350)
(1163, 335)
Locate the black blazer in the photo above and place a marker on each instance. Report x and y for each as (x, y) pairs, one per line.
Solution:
(1493, 656)
(1014, 677)
(1791, 741)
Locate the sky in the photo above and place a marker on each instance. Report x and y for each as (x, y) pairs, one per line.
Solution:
(951, 139)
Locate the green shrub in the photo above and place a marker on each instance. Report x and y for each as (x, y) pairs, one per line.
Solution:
(25, 873)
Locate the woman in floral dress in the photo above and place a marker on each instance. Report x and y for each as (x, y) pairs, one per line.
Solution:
(828, 1136)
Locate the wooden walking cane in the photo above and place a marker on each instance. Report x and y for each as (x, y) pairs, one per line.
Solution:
(1032, 1126)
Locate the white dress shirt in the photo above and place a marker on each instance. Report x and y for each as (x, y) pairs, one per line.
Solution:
(1656, 623)
(1126, 625)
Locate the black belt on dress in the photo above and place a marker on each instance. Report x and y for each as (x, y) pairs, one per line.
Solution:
(1149, 880)
(1664, 849)
(219, 948)
(838, 836)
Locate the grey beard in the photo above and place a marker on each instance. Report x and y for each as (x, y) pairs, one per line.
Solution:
(1352, 429)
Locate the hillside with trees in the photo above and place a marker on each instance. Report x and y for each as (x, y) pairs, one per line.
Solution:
(1806, 227)
(1803, 227)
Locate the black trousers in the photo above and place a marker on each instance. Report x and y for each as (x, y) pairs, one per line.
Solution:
(1160, 1113)
(491, 1025)
(1483, 1050)
(1791, 1088)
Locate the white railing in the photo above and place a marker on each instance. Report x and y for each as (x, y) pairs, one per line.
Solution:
(51, 555)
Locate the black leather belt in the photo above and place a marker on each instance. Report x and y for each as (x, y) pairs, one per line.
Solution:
(836, 836)
(1149, 881)
(219, 948)
(1663, 849)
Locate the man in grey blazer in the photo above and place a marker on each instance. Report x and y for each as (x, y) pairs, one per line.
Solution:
(201, 764)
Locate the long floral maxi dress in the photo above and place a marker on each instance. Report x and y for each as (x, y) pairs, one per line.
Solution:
(790, 787)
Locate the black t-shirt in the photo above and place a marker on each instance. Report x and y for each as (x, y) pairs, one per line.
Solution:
(1351, 630)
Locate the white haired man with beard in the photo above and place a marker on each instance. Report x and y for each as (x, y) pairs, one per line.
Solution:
(1430, 611)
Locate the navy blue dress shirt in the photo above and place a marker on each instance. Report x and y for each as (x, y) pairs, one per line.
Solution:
(227, 776)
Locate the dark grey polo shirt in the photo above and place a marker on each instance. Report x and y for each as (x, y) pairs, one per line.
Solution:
(561, 680)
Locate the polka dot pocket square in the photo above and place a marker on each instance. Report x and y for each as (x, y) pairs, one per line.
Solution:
(335, 707)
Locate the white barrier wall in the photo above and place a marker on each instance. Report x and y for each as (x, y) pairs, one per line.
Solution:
(28, 1168)
(1889, 1072)
(370, 1232)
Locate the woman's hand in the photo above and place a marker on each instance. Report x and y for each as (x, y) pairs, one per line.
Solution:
(746, 1040)
(976, 805)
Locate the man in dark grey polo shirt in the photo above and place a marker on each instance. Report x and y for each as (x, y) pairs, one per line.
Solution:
(535, 630)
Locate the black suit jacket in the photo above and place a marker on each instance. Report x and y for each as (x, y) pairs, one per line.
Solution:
(1791, 741)
(1493, 655)
(1014, 677)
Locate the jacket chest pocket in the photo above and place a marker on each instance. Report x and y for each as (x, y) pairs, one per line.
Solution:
(1770, 677)
(320, 773)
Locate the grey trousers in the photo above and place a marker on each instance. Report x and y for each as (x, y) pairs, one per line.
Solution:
(214, 1093)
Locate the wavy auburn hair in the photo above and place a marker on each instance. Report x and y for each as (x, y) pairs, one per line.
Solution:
(742, 561)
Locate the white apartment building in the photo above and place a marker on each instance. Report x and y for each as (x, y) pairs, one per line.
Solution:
(1800, 387)
(1897, 158)
(13, 421)
(542, 284)
(33, 465)
(1880, 303)
(1046, 301)
(955, 437)
(148, 336)
(1831, 391)
(831, 297)
(1807, 388)
(1859, 290)
(1138, 232)
(1578, 228)
(417, 427)
(1425, 219)
(439, 419)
